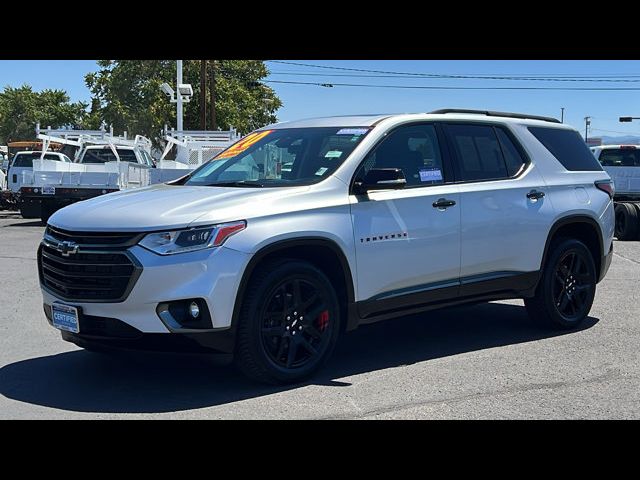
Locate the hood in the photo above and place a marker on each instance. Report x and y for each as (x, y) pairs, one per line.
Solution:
(165, 206)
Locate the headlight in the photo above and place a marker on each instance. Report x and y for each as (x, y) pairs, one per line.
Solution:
(189, 240)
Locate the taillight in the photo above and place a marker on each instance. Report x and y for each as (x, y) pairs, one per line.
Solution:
(606, 186)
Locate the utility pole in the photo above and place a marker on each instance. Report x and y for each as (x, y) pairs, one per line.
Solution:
(203, 94)
(179, 96)
(587, 122)
(212, 93)
(561, 114)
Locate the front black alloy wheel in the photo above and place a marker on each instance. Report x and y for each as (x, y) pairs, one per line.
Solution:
(289, 322)
(567, 288)
(296, 324)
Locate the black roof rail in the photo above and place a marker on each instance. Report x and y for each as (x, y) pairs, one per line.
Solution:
(489, 113)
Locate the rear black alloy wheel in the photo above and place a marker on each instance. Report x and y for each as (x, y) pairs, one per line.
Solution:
(567, 288)
(289, 322)
(573, 285)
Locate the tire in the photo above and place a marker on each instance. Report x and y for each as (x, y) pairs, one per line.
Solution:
(567, 288)
(29, 210)
(267, 348)
(627, 221)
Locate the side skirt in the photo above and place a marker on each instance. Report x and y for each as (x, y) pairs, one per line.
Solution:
(473, 289)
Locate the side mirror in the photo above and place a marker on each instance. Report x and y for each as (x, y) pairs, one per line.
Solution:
(381, 179)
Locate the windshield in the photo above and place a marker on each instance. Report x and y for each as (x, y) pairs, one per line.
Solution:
(282, 157)
(94, 155)
(620, 157)
(26, 159)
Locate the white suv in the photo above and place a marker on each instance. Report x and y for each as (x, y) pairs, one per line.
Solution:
(303, 230)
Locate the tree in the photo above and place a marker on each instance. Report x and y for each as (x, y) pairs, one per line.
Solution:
(21, 108)
(130, 98)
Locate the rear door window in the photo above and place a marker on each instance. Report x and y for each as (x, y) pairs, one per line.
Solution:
(478, 152)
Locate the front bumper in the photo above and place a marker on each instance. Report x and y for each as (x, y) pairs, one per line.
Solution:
(212, 275)
(114, 334)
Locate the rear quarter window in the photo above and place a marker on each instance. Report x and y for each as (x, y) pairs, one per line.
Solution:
(568, 147)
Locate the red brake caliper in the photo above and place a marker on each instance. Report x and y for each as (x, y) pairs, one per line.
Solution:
(323, 320)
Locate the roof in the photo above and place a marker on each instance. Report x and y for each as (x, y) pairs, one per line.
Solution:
(336, 121)
(448, 114)
(37, 152)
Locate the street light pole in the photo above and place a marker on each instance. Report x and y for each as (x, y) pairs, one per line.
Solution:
(179, 99)
(561, 114)
(587, 122)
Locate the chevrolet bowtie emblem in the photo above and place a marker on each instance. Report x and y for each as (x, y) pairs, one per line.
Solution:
(67, 248)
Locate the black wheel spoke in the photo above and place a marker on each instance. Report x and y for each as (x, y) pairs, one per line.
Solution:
(582, 278)
(311, 316)
(564, 301)
(281, 348)
(293, 349)
(297, 294)
(577, 265)
(559, 277)
(307, 346)
(308, 302)
(312, 331)
(572, 261)
(273, 317)
(277, 331)
(576, 303)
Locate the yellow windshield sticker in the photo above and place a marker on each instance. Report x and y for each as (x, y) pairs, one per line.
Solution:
(243, 144)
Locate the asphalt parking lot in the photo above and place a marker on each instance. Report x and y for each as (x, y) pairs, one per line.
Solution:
(486, 361)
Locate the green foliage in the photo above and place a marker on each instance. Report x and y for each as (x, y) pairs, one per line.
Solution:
(21, 108)
(129, 95)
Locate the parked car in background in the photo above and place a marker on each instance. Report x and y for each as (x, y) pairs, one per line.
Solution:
(622, 163)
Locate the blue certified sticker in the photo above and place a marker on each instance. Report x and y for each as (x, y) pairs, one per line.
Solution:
(430, 175)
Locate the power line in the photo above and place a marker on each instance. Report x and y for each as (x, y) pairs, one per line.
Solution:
(461, 76)
(443, 87)
(369, 75)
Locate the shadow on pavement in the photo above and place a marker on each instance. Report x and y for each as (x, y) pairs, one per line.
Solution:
(152, 383)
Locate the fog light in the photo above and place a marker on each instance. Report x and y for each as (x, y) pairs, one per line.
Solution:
(35, 190)
(104, 191)
(194, 310)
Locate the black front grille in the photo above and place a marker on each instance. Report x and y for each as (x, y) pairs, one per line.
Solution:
(94, 239)
(101, 270)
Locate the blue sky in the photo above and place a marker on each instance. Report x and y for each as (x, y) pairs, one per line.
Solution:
(309, 100)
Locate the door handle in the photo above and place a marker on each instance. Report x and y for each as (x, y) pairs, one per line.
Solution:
(535, 195)
(443, 203)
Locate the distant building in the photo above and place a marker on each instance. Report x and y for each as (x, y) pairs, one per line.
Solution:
(594, 141)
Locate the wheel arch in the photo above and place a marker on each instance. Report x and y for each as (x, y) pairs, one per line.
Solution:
(322, 252)
(580, 227)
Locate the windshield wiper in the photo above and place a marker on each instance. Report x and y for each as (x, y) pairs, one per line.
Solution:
(240, 183)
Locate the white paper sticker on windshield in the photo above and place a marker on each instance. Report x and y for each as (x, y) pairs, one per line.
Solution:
(430, 175)
(321, 171)
(352, 131)
(333, 154)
